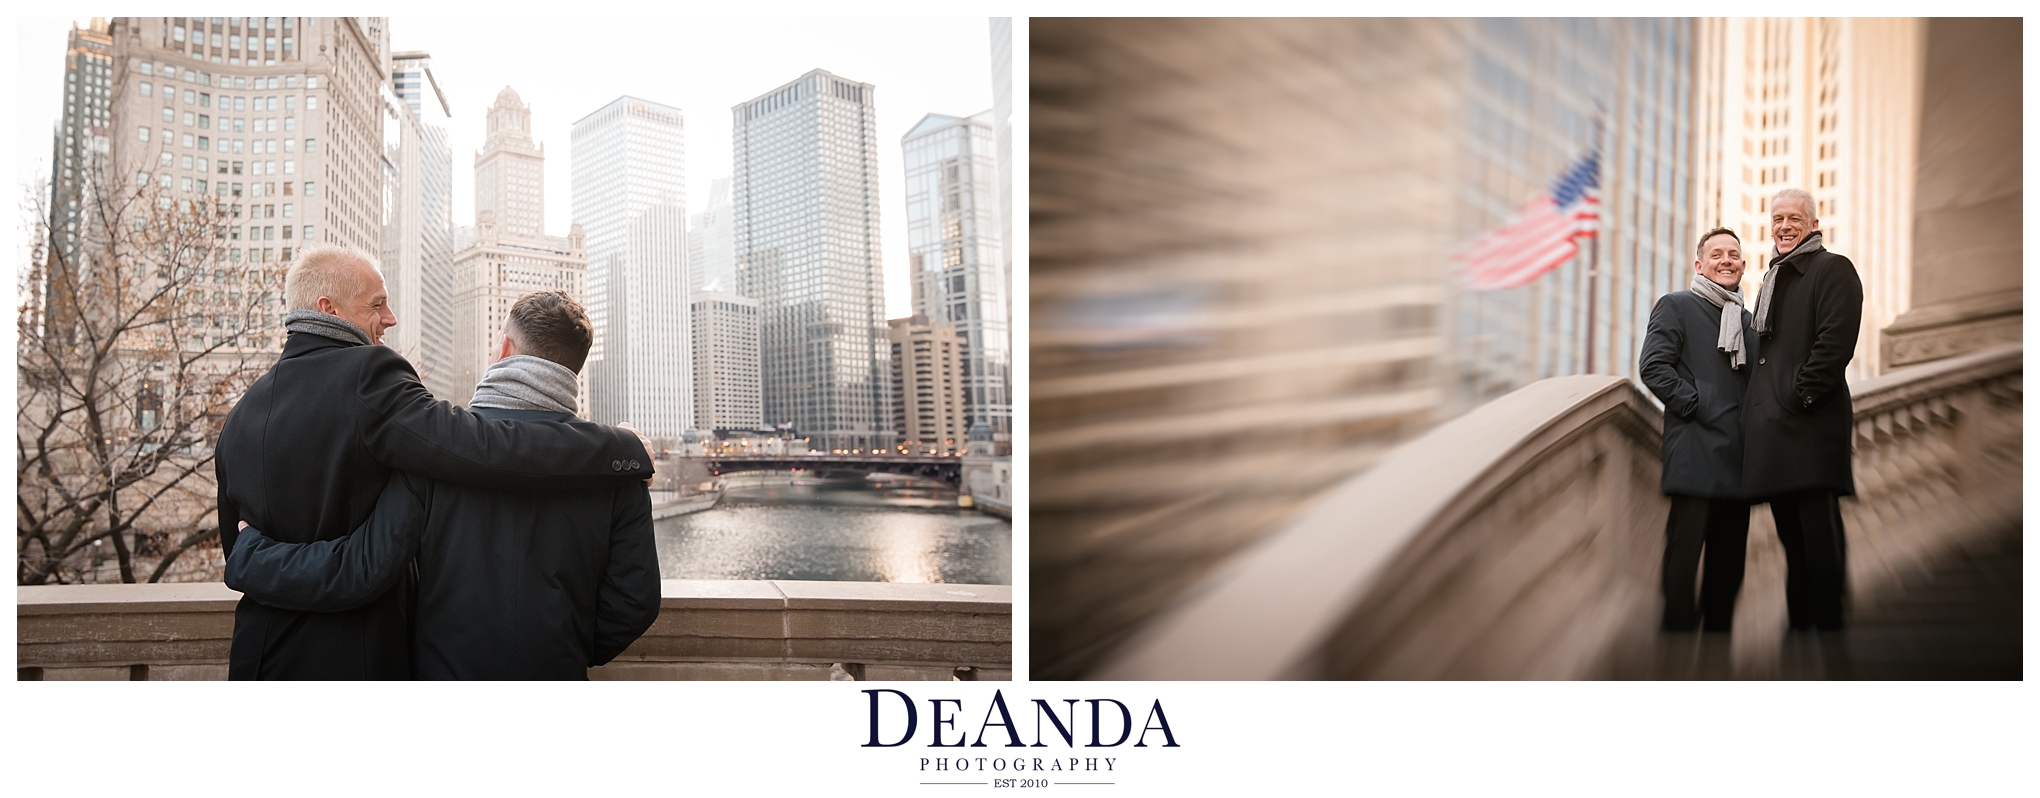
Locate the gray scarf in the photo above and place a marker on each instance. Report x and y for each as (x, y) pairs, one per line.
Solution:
(1730, 339)
(524, 382)
(334, 327)
(1810, 244)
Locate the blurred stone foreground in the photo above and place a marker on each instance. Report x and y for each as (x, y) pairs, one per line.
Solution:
(1250, 457)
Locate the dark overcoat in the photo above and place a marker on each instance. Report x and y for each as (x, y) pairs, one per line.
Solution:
(1797, 422)
(511, 584)
(1702, 392)
(304, 455)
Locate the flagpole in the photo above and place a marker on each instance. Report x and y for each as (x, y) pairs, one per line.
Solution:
(1594, 252)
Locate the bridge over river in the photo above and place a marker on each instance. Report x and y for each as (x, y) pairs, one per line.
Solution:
(947, 469)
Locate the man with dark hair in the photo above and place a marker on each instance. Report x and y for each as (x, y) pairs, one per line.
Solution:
(307, 449)
(1799, 424)
(1697, 357)
(512, 584)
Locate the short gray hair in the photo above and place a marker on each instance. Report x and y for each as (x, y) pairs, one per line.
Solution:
(323, 271)
(1805, 201)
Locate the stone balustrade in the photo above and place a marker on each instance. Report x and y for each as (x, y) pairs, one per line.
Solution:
(756, 630)
(1523, 539)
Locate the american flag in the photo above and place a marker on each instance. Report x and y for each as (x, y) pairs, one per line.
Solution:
(1540, 235)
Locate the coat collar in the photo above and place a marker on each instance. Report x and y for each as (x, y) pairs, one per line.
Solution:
(298, 344)
(1805, 248)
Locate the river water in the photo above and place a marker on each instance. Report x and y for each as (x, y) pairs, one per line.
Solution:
(848, 530)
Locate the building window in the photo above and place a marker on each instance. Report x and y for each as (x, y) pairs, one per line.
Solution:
(143, 133)
(311, 103)
(311, 145)
(146, 87)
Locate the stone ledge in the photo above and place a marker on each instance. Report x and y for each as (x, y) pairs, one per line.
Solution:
(705, 629)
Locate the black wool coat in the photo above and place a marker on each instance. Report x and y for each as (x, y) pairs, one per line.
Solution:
(1702, 392)
(306, 452)
(1797, 421)
(512, 584)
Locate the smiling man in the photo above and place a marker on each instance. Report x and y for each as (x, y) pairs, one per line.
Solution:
(1797, 419)
(1697, 358)
(307, 451)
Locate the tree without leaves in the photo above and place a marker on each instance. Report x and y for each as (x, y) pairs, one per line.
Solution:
(138, 329)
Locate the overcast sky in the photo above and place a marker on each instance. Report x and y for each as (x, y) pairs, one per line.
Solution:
(567, 67)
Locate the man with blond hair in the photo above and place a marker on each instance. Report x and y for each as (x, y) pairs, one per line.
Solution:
(1797, 422)
(308, 449)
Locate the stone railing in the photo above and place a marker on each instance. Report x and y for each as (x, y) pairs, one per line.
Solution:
(781, 630)
(1522, 540)
(1938, 463)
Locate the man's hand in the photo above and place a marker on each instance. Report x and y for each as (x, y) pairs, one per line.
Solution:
(244, 525)
(648, 446)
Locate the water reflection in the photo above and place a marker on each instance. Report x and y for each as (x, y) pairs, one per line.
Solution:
(837, 530)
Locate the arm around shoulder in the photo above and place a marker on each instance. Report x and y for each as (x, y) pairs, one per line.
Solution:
(406, 428)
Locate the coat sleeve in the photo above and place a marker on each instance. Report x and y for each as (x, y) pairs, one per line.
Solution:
(229, 512)
(342, 573)
(1658, 365)
(406, 429)
(628, 601)
(1837, 319)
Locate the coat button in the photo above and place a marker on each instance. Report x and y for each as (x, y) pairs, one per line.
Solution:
(1760, 361)
(616, 465)
(634, 465)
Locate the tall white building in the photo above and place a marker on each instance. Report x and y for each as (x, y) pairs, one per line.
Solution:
(508, 260)
(417, 252)
(726, 391)
(281, 117)
(1829, 106)
(711, 235)
(806, 194)
(630, 191)
(957, 255)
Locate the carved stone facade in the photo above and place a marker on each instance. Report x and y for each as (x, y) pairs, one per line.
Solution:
(1966, 282)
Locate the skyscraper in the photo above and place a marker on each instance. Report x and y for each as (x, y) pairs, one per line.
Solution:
(630, 192)
(508, 260)
(1829, 106)
(726, 393)
(282, 116)
(806, 194)
(956, 255)
(83, 135)
(710, 235)
(417, 253)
